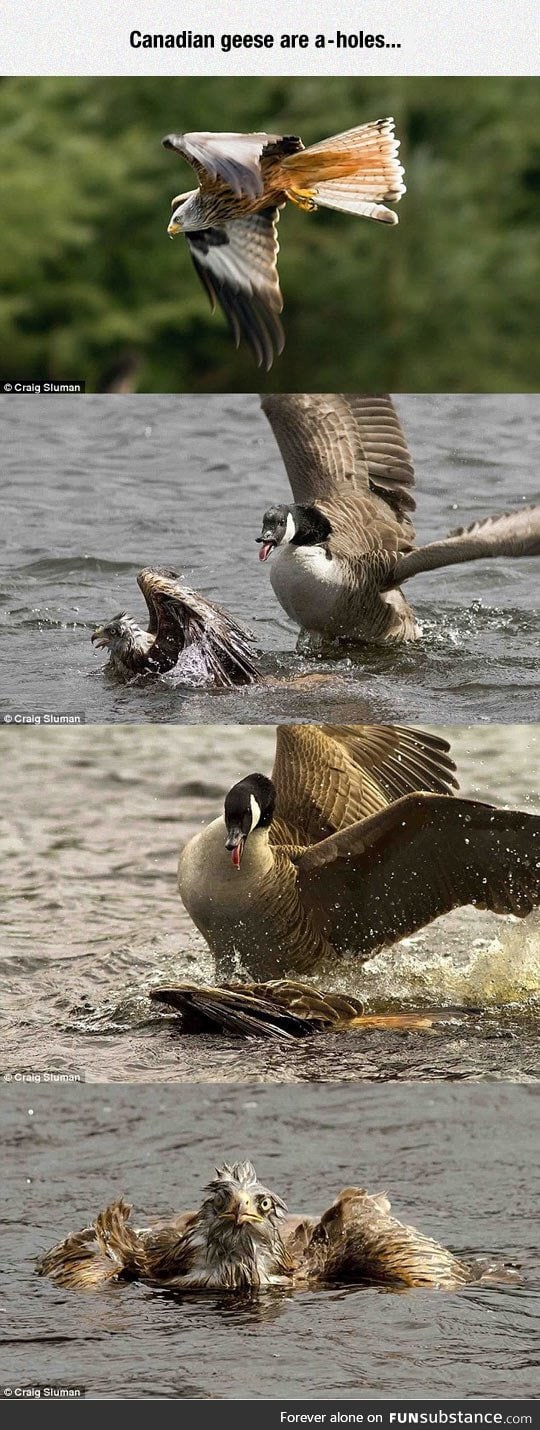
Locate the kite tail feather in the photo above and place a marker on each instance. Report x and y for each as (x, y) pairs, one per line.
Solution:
(356, 172)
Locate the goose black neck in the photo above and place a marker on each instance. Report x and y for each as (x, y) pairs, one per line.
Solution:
(312, 528)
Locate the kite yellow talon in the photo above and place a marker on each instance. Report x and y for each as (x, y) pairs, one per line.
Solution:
(302, 200)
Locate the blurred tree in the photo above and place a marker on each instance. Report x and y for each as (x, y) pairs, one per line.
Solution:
(90, 284)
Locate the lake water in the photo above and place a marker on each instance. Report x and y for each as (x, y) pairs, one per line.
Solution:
(93, 821)
(456, 1162)
(96, 488)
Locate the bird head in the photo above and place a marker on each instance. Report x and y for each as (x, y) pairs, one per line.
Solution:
(182, 213)
(279, 526)
(118, 634)
(300, 524)
(239, 1215)
(122, 636)
(249, 805)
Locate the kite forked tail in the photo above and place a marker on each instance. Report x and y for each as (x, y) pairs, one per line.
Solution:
(356, 172)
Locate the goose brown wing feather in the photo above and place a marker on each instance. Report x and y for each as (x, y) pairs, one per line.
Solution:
(364, 526)
(336, 441)
(400, 758)
(510, 533)
(328, 777)
(390, 465)
(318, 441)
(179, 617)
(390, 875)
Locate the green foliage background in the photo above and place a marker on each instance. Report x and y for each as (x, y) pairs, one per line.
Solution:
(447, 301)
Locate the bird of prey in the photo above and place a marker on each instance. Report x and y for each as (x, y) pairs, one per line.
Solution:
(281, 1008)
(346, 545)
(230, 220)
(355, 842)
(242, 1239)
(178, 618)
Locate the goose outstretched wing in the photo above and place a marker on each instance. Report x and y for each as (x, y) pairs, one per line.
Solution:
(335, 440)
(509, 533)
(390, 875)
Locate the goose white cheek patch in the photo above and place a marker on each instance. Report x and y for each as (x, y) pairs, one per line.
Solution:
(290, 529)
(255, 812)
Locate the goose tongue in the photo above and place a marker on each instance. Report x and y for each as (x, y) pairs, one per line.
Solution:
(237, 852)
(265, 549)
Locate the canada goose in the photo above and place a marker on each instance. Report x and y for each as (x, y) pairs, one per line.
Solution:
(346, 544)
(353, 844)
(179, 617)
(230, 220)
(241, 1238)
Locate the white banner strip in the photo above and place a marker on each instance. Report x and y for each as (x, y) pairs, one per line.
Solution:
(153, 37)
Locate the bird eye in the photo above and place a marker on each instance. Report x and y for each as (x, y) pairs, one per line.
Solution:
(265, 1204)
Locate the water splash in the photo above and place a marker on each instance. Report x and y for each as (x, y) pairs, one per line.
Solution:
(497, 971)
(192, 668)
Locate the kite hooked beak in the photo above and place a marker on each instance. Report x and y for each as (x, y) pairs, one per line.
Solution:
(267, 544)
(235, 844)
(173, 229)
(241, 1209)
(99, 637)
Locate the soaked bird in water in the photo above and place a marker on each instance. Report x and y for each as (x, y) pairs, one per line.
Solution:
(178, 618)
(342, 550)
(355, 842)
(242, 1239)
(230, 220)
(282, 1008)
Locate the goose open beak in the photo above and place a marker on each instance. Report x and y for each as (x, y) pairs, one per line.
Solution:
(267, 547)
(237, 853)
(235, 844)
